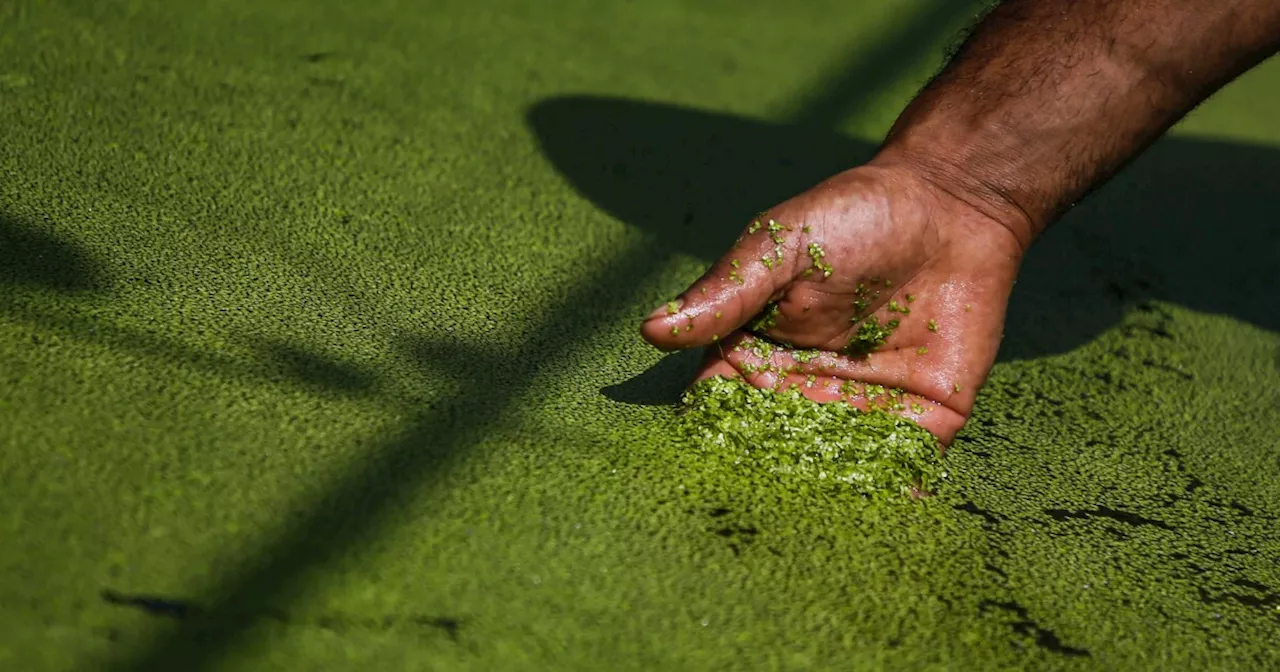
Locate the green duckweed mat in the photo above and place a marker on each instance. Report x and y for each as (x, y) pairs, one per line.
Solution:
(318, 351)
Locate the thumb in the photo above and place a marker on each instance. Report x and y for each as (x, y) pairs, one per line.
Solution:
(734, 290)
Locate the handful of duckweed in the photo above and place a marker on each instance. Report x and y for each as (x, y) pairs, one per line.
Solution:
(786, 434)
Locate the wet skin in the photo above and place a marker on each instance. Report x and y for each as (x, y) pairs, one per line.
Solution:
(896, 249)
(916, 252)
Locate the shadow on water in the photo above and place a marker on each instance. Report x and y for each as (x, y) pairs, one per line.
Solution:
(1191, 221)
(660, 384)
(30, 257)
(352, 510)
(690, 179)
(320, 372)
(355, 507)
(34, 259)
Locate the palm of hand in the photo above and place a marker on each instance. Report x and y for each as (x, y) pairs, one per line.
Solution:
(871, 288)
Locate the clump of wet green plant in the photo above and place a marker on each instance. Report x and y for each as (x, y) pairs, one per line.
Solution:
(874, 453)
(766, 320)
(819, 261)
(870, 336)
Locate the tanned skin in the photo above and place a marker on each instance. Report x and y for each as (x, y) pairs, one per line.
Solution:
(1044, 101)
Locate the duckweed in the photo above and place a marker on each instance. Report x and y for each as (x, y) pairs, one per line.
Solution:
(775, 232)
(822, 581)
(767, 319)
(870, 336)
(862, 299)
(875, 453)
(806, 356)
(818, 254)
(761, 347)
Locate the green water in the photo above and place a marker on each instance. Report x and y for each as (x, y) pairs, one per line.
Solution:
(318, 349)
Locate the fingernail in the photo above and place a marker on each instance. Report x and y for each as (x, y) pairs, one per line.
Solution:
(668, 308)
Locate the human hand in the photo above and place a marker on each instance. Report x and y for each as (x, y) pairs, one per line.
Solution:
(886, 289)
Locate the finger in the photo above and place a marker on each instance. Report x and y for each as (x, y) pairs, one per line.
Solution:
(878, 381)
(733, 291)
(716, 365)
(885, 381)
(752, 354)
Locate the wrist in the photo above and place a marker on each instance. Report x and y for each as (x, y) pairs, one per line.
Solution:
(975, 175)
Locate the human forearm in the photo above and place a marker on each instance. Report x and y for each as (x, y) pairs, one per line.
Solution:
(1049, 97)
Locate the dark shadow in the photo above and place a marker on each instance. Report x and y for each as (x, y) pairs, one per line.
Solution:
(337, 622)
(354, 509)
(628, 165)
(277, 363)
(659, 385)
(32, 257)
(322, 373)
(691, 179)
(1190, 222)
